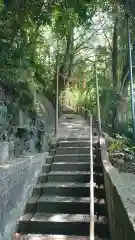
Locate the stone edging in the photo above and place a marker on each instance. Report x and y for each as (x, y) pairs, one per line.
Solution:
(120, 194)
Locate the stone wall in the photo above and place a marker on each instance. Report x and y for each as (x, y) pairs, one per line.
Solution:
(18, 176)
(120, 194)
(17, 179)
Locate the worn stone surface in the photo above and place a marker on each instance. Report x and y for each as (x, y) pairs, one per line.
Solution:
(120, 193)
(73, 126)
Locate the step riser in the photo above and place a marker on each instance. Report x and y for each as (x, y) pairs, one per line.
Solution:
(72, 191)
(69, 178)
(55, 237)
(64, 207)
(97, 179)
(72, 139)
(71, 158)
(74, 144)
(67, 228)
(70, 167)
(73, 167)
(75, 158)
(72, 151)
(55, 228)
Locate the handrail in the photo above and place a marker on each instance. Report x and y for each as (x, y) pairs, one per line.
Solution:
(88, 116)
(91, 184)
(98, 105)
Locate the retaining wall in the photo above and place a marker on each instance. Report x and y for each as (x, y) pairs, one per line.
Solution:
(120, 194)
(19, 175)
(17, 179)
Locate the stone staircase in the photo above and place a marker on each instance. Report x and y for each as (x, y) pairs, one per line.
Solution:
(60, 205)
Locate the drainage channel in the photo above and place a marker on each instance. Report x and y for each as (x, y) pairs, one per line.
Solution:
(60, 204)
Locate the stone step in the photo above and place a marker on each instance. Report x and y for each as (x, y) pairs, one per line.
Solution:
(50, 237)
(75, 158)
(72, 166)
(72, 157)
(43, 178)
(68, 189)
(76, 176)
(73, 139)
(73, 150)
(70, 224)
(70, 139)
(77, 143)
(67, 205)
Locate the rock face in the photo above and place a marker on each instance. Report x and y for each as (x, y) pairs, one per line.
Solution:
(20, 165)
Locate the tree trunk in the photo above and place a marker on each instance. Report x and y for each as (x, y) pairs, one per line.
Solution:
(122, 107)
(115, 66)
(66, 66)
(115, 50)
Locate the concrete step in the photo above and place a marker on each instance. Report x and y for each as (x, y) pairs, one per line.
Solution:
(67, 189)
(72, 157)
(73, 166)
(67, 205)
(73, 150)
(73, 139)
(66, 224)
(76, 143)
(76, 176)
(60, 204)
(50, 237)
(70, 224)
(43, 178)
(70, 139)
(76, 158)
